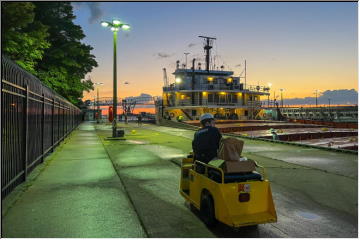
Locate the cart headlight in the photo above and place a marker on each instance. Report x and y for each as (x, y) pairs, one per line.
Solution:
(244, 197)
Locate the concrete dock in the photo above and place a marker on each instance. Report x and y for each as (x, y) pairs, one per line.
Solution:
(95, 187)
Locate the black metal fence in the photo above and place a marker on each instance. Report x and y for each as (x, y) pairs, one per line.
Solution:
(34, 119)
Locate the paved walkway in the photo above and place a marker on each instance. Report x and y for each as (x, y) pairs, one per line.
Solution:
(79, 195)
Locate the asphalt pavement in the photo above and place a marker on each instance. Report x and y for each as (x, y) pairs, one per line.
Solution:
(95, 187)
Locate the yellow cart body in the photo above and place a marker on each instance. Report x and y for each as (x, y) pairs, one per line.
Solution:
(235, 204)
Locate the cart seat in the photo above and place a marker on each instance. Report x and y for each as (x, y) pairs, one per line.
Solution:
(215, 175)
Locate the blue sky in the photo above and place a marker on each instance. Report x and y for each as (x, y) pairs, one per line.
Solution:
(299, 46)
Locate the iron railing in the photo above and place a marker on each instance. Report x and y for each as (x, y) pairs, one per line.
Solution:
(34, 120)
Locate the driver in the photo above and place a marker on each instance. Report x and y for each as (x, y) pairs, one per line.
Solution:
(206, 140)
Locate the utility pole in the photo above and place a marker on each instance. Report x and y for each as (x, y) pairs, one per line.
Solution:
(316, 95)
(329, 109)
(269, 84)
(207, 46)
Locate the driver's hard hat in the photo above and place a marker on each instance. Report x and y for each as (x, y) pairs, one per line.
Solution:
(206, 116)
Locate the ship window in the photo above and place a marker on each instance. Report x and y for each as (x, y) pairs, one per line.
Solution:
(210, 97)
(222, 98)
(216, 98)
(234, 98)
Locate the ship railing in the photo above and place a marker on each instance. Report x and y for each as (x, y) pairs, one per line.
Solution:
(220, 87)
(188, 103)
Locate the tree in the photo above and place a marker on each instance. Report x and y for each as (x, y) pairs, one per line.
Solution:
(67, 61)
(23, 39)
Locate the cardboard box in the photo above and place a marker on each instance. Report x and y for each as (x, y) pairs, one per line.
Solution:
(239, 166)
(234, 166)
(230, 149)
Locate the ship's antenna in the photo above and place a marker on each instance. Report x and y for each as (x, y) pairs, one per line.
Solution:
(186, 59)
(245, 74)
(207, 46)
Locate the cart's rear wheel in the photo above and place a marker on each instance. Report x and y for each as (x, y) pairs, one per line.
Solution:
(207, 211)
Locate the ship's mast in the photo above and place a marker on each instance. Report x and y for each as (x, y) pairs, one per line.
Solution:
(207, 46)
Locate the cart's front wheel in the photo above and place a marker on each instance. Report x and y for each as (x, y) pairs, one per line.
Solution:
(207, 211)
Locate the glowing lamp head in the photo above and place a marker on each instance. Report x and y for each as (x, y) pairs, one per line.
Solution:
(229, 80)
(114, 29)
(178, 80)
(222, 93)
(126, 27)
(116, 22)
(204, 93)
(104, 24)
(210, 78)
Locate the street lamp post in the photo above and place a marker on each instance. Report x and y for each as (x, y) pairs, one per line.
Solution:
(274, 98)
(282, 100)
(98, 104)
(94, 109)
(115, 26)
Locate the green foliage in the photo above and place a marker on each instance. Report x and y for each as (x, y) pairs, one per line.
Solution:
(42, 38)
(23, 39)
(68, 60)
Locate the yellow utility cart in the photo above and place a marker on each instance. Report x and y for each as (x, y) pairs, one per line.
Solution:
(236, 200)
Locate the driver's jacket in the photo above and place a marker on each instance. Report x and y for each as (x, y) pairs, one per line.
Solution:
(206, 143)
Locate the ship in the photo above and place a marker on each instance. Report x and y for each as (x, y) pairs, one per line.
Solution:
(211, 89)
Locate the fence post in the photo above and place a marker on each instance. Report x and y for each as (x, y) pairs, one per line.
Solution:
(26, 131)
(65, 122)
(52, 124)
(43, 128)
(58, 124)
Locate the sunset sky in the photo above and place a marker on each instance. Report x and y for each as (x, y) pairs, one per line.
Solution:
(298, 46)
